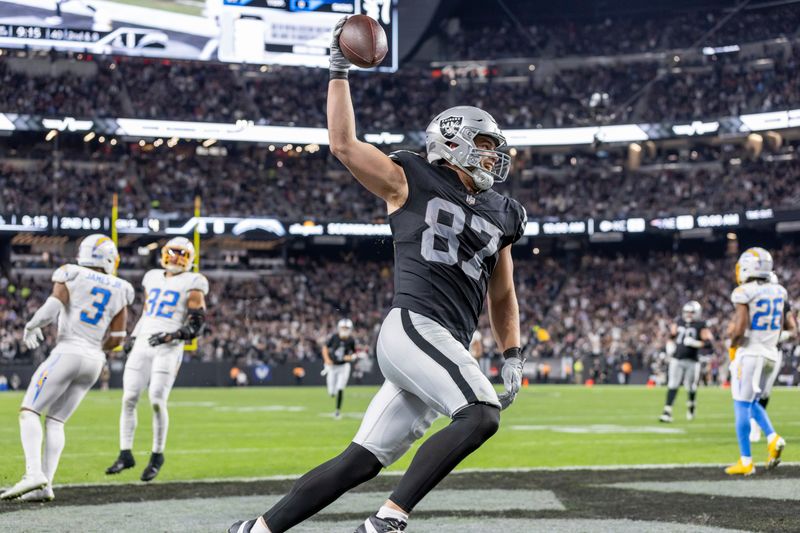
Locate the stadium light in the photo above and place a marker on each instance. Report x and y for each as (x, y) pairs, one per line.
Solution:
(51, 135)
(88, 137)
(209, 142)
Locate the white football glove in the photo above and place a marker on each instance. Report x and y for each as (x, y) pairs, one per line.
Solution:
(326, 369)
(512, 376)
(32, 337)
(339, 64)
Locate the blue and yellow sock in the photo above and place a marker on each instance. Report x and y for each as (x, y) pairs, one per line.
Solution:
(762, 418)
(742, 410)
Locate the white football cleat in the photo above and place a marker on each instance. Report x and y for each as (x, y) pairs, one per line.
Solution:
(28, 483)
(755, 431)
(689, 416)
(41, 495)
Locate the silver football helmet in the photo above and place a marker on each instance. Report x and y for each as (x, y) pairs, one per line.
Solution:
(691, 311)
(345, 327)
(451, 136)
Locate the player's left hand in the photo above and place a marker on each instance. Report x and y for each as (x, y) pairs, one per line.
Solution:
(160, 338)
(512, 376)
(339, 63)
(325, 370)
(32, 337)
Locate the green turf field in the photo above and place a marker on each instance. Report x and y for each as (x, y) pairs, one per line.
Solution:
(255, 432)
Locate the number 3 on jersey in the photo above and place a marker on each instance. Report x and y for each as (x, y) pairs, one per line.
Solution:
(450, 233)
(170, 299)
(100, 306)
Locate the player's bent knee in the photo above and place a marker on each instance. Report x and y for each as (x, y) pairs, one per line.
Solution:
(483, 421)
(363, 464)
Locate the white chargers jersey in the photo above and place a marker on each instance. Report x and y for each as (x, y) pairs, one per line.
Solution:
(95, 298)
(766, 303)
(166, 300)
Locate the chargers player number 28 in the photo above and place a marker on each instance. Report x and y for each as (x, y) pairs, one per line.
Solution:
(768, 315)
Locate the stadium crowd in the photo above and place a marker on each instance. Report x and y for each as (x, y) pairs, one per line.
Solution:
(533, 35)
(585, 92)
(296, 186)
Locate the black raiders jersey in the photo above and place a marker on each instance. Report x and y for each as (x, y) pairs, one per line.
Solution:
(446, 244)
(691, 330)
(338, 348)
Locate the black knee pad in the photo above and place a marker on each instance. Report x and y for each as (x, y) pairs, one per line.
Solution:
(481, 420)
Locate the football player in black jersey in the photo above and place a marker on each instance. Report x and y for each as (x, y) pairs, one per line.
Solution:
(338, 353)
(691, 335)
(453, 237)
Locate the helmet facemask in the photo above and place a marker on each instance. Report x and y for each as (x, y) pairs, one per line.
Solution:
(177, 255)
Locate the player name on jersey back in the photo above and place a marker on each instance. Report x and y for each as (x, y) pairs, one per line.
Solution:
(95, 298)
(166, 299)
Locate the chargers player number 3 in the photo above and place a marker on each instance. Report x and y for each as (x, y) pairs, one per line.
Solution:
(100, 306)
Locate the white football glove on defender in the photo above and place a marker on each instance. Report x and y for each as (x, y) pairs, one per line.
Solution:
(32, 337)
(326, 370)
(512, 376)
(339, 64)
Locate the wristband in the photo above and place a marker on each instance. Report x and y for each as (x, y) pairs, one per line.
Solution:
(513, 352)
(338, 75)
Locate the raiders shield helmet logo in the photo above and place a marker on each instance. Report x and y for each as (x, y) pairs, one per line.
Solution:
(449, 126)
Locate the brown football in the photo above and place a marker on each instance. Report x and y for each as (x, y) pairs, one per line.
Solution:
(363, 41)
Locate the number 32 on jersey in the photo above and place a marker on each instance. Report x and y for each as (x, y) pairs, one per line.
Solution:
(164, 308)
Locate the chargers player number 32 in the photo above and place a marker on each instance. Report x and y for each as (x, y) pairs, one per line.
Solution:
(166, 307)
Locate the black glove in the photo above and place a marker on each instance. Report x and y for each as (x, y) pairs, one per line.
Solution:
(161, 338)
(127, 346)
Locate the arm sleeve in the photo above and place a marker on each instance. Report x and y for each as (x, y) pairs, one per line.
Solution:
(46, 314)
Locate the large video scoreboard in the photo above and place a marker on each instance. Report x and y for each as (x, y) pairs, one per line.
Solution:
(272, 32)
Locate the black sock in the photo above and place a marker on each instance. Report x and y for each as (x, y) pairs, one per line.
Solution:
(322, 486)
(671, 393)
(339, 400)
(763, 402)
(691, 403)
(471, 427)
